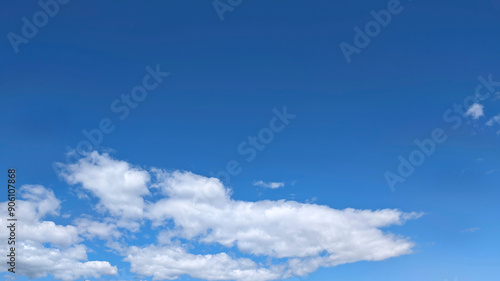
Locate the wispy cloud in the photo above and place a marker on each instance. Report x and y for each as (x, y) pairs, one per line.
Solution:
(474, 229)
(272, 185)
(495, 119)
(475, 111)
(489, 172)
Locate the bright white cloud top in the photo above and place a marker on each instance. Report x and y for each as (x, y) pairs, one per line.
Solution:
(475, 111)
(65, 258)
(184, 208)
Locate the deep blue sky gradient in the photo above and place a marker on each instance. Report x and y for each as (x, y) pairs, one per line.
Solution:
(353, 119)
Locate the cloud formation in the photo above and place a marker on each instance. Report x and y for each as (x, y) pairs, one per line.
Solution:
(494, 120)
(474, 229)
(119, 186)
(44, 247)
(188, 209)
(272, 185)
(475, 111)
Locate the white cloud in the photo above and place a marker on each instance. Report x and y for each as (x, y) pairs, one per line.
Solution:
(272, 185)
(119, 186)
(474, 229)
(91, 229)
(475, 111)
(66, 264)
(43, 247)
(40, 202)
(298, 237)
(173, 261)
(285, 228)
(310, 235)
(493, 120)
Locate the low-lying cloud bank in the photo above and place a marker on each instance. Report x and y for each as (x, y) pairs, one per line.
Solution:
(296, 238)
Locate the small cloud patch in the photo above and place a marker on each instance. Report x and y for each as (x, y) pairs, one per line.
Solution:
(271, 185)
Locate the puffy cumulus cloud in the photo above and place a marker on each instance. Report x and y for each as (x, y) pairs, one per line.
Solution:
(475, 111)
(38, 203)
(297, 237)
(171, 262)
(271, 185)
(67, 264)
(91, 229)
(181, 187)
(119, 186)
(43, 247)
(201, 207)
(48, 232)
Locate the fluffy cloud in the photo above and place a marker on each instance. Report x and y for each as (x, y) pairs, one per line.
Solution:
(40, 202)
(44, 247)
(301, 237)
(294, 238)
(310, 235)
(272, 185)
(119, 186)
(475, 111)
(172, 261)
(91, 229)
(67, 264)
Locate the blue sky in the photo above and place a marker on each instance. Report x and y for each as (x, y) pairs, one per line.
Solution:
(352, 119)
